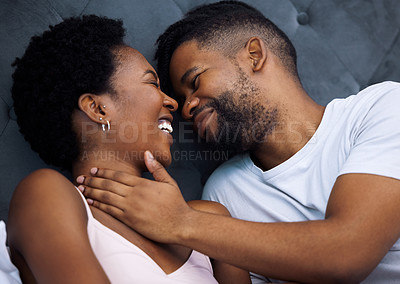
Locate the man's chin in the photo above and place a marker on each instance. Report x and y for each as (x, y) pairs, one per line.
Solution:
(223, 141)
(223, 146)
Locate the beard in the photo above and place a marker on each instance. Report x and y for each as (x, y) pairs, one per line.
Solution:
(243, 122)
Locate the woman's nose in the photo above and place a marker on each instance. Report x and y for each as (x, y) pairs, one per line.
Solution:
(170, 103)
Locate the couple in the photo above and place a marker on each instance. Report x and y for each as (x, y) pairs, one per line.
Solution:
(317, 188)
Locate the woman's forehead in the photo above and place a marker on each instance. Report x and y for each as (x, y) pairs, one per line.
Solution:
(132, 60)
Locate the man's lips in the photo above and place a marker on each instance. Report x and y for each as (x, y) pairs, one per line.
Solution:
(202, 120)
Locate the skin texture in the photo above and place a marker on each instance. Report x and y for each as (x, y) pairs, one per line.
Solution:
(66, 255)
(361, 222)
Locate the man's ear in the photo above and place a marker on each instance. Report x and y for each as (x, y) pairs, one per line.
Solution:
(257, 53)
(93, 107)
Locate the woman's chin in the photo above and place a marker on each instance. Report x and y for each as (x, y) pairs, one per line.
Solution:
(165, 159)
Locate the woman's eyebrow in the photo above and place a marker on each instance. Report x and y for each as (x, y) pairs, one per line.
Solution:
(148, 71)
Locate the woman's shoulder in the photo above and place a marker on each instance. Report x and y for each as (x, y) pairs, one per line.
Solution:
(47, 230)
(42, 189)
(44, 197)
(41, 175)
(42, 182)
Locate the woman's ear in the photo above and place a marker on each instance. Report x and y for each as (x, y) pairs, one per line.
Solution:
(93, 107)
(257, 53)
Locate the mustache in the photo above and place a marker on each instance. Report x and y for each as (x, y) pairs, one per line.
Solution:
(215, 103)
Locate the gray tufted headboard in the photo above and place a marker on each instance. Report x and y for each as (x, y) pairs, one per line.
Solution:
(342, 45)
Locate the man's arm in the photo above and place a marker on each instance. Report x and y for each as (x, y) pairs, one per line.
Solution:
(47, 232)
(360, 227)
(223, 272)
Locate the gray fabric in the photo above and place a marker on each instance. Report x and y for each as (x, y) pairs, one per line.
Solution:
(343, 46)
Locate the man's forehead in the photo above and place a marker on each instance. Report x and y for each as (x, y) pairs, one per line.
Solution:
(183, 58)
(188, 56)
(185, 53)
(188, 45)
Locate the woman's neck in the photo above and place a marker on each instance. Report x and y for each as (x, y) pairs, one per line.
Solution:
(107, 160)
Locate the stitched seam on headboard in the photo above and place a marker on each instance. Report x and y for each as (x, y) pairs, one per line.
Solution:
(4, 129)
(53, 9)
(396, 38)
(5, 126)
(176, 4)
(84, 8)
(4, 101)
(309, 6)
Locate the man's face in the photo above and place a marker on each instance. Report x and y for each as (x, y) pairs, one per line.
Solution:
(218, 96)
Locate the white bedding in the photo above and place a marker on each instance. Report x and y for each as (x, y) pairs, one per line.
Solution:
(8, 272)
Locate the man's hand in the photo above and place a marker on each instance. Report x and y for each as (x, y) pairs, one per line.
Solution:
(156, 209)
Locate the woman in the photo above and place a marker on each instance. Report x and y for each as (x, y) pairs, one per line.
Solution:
(83, 98)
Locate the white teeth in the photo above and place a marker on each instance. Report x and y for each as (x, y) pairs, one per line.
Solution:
(165, 126)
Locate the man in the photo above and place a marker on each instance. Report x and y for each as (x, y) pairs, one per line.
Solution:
(318, 187)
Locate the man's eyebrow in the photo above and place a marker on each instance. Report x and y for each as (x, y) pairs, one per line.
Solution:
(187, 74)
(148, 71)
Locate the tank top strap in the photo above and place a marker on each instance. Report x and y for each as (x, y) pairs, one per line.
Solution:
(89, 213)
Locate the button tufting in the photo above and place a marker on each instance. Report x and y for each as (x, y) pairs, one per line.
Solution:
(11, 114)
(303, 18)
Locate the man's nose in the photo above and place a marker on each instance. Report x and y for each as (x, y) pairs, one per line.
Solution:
(189, 107)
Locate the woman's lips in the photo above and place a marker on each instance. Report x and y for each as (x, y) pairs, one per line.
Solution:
(202, 121)
(165, 126)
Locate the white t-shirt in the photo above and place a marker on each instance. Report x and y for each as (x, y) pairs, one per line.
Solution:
(359, 134)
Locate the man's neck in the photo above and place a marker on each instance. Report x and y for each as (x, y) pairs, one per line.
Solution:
(288, 137)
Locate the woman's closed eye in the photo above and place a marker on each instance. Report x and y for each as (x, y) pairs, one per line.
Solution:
(155, 83)
(151, 77)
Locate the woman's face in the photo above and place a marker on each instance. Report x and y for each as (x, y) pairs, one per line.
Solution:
(141, 118)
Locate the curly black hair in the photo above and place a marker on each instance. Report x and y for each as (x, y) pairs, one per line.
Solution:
(223, 26)
(71, 58)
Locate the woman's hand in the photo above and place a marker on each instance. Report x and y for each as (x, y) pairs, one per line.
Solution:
(155, 209)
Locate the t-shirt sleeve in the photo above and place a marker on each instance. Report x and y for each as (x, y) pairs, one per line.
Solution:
(209, 192)
(219, 184)
(376, 141)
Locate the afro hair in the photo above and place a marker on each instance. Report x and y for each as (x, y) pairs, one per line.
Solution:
(71, 58)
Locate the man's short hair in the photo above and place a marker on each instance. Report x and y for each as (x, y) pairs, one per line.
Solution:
(225, 27)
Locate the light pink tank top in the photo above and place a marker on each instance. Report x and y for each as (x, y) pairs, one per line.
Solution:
(123, 262)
